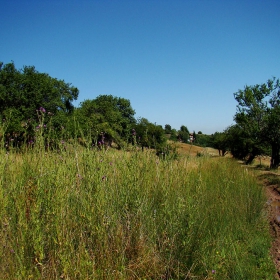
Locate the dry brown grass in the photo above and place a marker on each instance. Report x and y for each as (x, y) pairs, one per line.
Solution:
(192, 150)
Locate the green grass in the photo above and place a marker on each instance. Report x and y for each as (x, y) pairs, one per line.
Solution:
(85, 214)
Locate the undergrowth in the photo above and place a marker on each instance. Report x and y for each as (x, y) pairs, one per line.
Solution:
(105, 214)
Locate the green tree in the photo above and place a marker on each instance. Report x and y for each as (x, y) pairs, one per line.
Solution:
(167, 129)
(238, 142)
(204, 140)
(23, 92)
(193, 137)
(149, 135)
(173, 135)
(183, 134)
(117, 112)
(258, 115)
(219, 142)
(107, 115)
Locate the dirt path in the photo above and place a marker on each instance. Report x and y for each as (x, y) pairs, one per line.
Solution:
(271, 181)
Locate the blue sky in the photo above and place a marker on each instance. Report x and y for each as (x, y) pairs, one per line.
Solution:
(178, 62)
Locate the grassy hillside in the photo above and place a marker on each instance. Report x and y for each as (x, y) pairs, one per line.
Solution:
(88, 214)
(193, 150)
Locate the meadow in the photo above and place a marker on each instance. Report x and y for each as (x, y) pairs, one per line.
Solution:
(84, 213)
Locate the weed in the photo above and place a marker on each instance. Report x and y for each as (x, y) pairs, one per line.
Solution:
(105, 214)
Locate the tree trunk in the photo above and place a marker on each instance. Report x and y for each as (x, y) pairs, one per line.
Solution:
(275, 160)
(250, 158)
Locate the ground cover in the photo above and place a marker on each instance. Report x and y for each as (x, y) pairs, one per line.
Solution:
(88, 214)
(270, 181)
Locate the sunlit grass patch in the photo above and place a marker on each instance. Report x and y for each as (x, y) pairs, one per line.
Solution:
(89, 214)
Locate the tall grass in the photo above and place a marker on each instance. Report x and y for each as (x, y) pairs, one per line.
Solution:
(86, 214)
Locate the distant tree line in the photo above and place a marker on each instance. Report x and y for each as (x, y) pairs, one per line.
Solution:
(32, 102)
(256, 131)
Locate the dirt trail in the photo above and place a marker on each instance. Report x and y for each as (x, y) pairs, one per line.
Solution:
(271, 181)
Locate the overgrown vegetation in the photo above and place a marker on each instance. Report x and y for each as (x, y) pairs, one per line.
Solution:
(73, 208)
(108, 214)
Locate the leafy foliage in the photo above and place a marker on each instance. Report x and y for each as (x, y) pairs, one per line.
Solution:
(108, 115)
(219, 142)
(23, 92)
(104, 120)
(183, 134)
(167, 129)
(258, 115)
(204, 140)
(149, 135)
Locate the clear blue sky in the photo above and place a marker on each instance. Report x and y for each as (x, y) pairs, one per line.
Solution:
(178, 62)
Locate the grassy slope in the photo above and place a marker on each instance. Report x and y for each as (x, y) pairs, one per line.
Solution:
(115, 215)
(192, 150)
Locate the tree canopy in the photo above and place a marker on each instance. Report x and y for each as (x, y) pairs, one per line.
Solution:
(108, 115)
(258, 115)
(32, 102)
(148, 134)
(183, 134)
(24, 91)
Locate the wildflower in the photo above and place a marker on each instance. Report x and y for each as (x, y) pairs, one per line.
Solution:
(104, 178)
(42, 110)
(213, 271)
(45, 125)
(111, 163)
